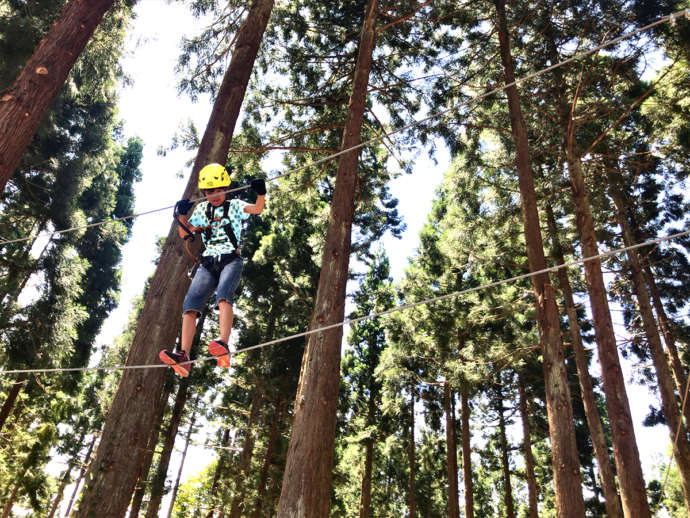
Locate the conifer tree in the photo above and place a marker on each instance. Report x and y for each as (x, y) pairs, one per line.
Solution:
(24, 103)
(109, 491)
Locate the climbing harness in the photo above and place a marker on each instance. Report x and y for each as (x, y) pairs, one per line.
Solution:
(214, 264)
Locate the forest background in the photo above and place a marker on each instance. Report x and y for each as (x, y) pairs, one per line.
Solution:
(151, 110)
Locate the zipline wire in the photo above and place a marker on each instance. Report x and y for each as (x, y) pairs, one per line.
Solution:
(671, 17)
(366, 317)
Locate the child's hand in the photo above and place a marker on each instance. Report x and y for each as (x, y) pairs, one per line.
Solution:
(183, 206)
(259, 186)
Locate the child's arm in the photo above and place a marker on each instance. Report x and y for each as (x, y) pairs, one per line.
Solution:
(258, 207)
(259, 187)
(182, 208)
(183, 219)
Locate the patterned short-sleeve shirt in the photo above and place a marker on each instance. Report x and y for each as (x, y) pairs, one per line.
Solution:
(219, 242)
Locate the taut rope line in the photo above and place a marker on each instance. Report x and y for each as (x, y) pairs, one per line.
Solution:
(366, 317)
(671, 17)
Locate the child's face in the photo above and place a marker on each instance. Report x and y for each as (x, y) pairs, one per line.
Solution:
(216, 196)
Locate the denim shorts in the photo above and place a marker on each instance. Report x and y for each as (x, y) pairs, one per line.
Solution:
(205, 282)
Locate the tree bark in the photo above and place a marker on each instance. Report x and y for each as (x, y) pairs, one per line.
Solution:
(11, 399)
(308, 472)
(24, 104)
(158, 480)
(7, 508)
(187, 440)
(451, 453)
(626, 454)
(466, 451)
(61, 491)
(669, 338)
(669, 403)
(565, 461)
(145, 468)
(505, 461)
(128, 425)
(220, 466)
(411, 455)
(243, 472)
(596, 429)
(272, 438)
(532, 488)
(82, 472)
(365, 494)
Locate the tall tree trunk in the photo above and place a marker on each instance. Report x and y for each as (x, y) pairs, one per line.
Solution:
(158, 480)
(532, 488)
(626, 454)
(220, 466)
(187, 440)
(565, 461)
(243, 472)
(82, 472)
(451, 452)
(669, 404)
(61, 491)
(145, 468)
(7, 508)
(24, 104)
(308, 472)
(411, 455)
(272, 438)
(466, 451)
(669, 338)
(596, 429)
(365, 494)
(11, 399)
(128, 425)
(505, 461)
(365, 491)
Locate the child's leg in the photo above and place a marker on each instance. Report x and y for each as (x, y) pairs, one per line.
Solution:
(225, 319)
(188, 329)
(201, 288)
(225, 296)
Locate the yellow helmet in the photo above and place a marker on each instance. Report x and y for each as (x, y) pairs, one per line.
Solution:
(213, 176)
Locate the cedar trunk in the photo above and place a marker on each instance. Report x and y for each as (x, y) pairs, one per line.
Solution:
(268, 457)
(158, 480)
(308, 472)
(220, 466)
(24, 104)
(11, 399)
(82, 472)
(239, 498)
(466, 451)
(669, 403)
(113, 473)
(565, 461)
(365, 496)
(532, 489)
(451, 453)
(625, 452)
(596, 429)
(411, 455)
(187, 440)
(669, 338)
(505, 461)
(61, 491)
(145, 468)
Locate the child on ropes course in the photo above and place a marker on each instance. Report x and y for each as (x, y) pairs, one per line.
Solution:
(218, 219)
